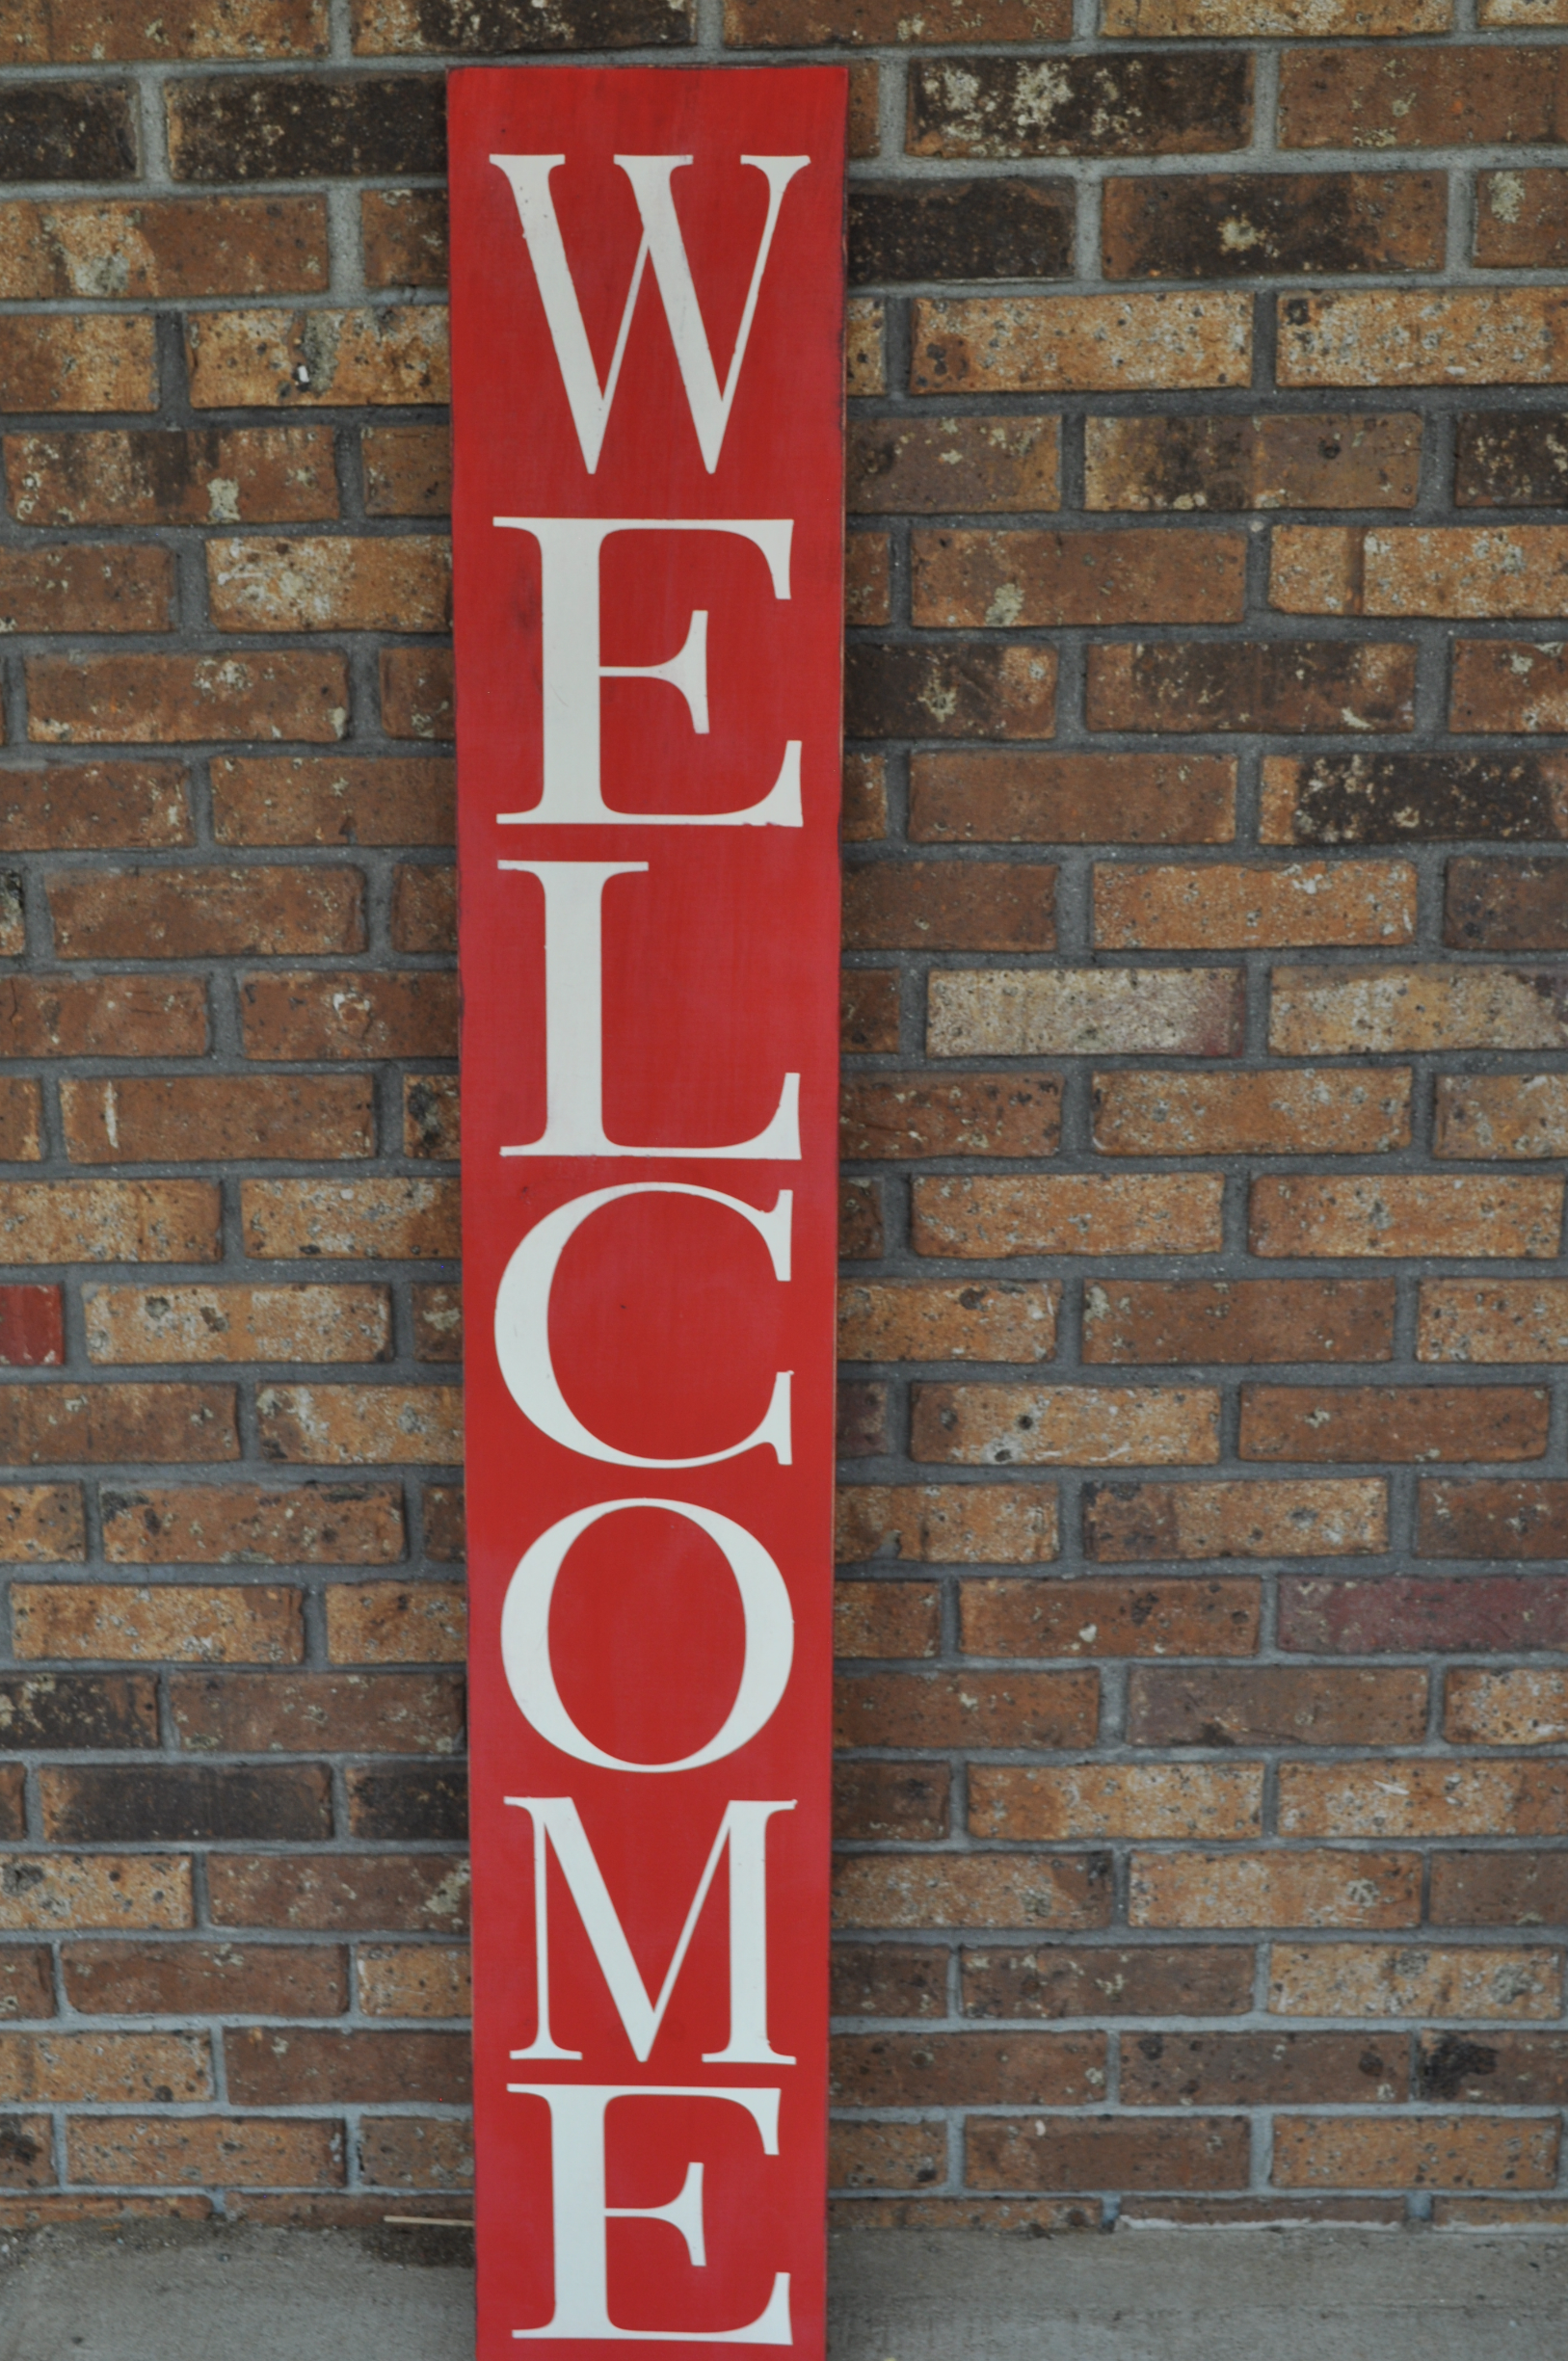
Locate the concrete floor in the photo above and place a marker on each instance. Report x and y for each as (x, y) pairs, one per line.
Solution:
(175, 2293)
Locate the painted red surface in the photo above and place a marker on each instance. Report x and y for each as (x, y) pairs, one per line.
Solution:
(649, 1198)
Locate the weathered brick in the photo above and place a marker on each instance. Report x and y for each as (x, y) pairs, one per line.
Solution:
(1262, 2069)
(235, 1524)
(40, 1524)
(1511, 458)
(163, 1623)
(1084, 1617)
(866, 346)
(297, 126)
(1350, 1423)
(1372, 1011)
(310, 359)
(1508, 2070)
(423, 2152)
(343, 584)
(225, 246)
(1506, 1320)
(949, 906)
(68, 1713)
(1274, 1113)
(1492, 1517)
(127, 2069)
(316, 1713)
(868, 999)
(1457, 2152)
(1408, 1614)
(1121, 1521)
(957, 1525)
(100, 699)
(425, 909)
(1200, 1980)
(1523, 1708)
(50, 1425)
(357, 800)
(185, 1803)
(968, 2069)
(360, 1425)
(1275, 1889)
(81, 587)
(164, 475)
(1014, 2152)
(860, 1219)
(1271, 19)
(270, 2067)
(404, 234)
(101, 361)
(438, 1322)
(1114, 1012)
(1404, 1214)
(888, 1116)
(408, 1803)
(1469, 570)
(347, 1892)
(967, 229)
(27, 1980)
(1460, 336)
(1488, 97)
(1277, 1706)
(1067, 1892)
(396, 27)
(246, 2151)
(900, 1803)
(1068, 1213)
(1079, 343)
(53, 1893)
(968, 1710)
(896, 466)
(396, 1623)
(885, 1619)
(1511, 685)
(1097, 1426)
(191, 1118)
(1401, 1979)
(1071, 799)
(413, 1979)
(1262, 684)
(121, 1015)
(32, 1333)
(1410, 1797)
(364, 1015)
(950, 689)
(926, 1320)
(391, 1218)
(1117, 1799)
(861, 1427)
(887, 1980)
(1054, 578)
(92, 805)
(109, 1221)
(1392, 799)
(1341, 461)
(1507, 906)
(407, 469)
(65, 130)
(21, 1142)
(885, 2155)
(202, 914)
(993, 106)
(805, 23)
(1247, 224)
(117, 29)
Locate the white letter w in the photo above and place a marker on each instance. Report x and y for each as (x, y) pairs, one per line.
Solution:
(662, 241)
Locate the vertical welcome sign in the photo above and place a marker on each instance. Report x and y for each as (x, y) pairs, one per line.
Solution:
(647, 297)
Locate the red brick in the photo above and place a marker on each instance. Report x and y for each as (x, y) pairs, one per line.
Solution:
(312, 1015)
(269, 2067)
(1065, 1892)
(1078, 343)
(1010, 2152)
(1197, 1980)
(1458, 336)
(1102, 105)
(164, 475)
(21, 1138)
(1507, 906)
(1271, 2069)
(922, 1319)
(862, 815)
(1202, 1320)
(186, 31)
(1396, 1979)
(968, 2069)
(1456, 2151)
(884, 1981)
(407, 469)
(1086, 1617)
(1509, 1888)
(1415, 1615)
(431, 1116)
(54, 1893)
(49, 1425)
(1276, 1705)
(92, 806)
(41, 1523)
(422, 2152)
(438, 1322)
(340, 1893)
(1125, 577)
(86, 701)
(1509, 1320)
(404, 234)
(1244, 225)
(214, 2149)
(966, 1709)
(32, 1334)
(885, 2155)
(172, 247)
(153, 1119)
(128, 2069)
(159, 1623)
(1406, 1797)
(949, 906)
(1349, 1424)
(397, 1623)
(114, 1016)
(1511, 685)
(1395, 1214)
(288, 799)
(1309, 1111)
(203, 913)
(1071, 799)
(416, 692)
(901, 1803)
(425, 910)
(885, 1619)
(859, 1220)
(1494, 1519)
(361, 1425)
(888, 1116)
(1116, 1799)
(898, 465)
(867, 1009)
(414, 1980)
(1275, 1889)
(84, 588)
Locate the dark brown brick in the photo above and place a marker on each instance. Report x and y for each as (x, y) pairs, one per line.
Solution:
(901, 1803)
(1276, 1705)
(1351, 460)
(961, 577)
(1086, 1617)
(408, 470)
(492, 27)
(271, 2068)
(1190, 103)
(264, 1980)
(1204, 1320)
(888, 1116)
(952, 689)
(967, 1708)
(1347, 1425)
(1507, 906)
(425, 910)
(1495, 2068)
(51, 1425)
(808, 24)
(27, 1981)
(1241, 225)
(317, 1712)
(1512, 1888)
(949, 906)
(1110, 2152)
(200, 914)
(1071, 799)
(1415, 1615)
(438, 1322)
(942, 465)
(408, 1804)
(162, 475)
(1493, 1517)
(862, 1421)
(171, 1804)
(969, 230)
(301, 127)
(968, 2069)
(1264, 684)
(1382, 95)
(880, 1981)
(868, 1009)
(416, 692)
(1199, 1980)
(78, 1712)
(1414, 799)
(342, 1893)
(71, 807)
(1263, 2069)
(404, 235)
(1512, 458)
(68, 131)
(444, 1532)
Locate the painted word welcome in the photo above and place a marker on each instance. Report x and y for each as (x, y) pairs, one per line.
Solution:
(646, 299)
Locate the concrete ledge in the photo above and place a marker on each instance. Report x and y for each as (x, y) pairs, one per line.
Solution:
(184, 2292)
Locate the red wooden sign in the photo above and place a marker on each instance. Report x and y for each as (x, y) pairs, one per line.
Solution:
(647, 301)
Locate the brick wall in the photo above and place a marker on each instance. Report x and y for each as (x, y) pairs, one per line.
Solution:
(1205, 1513)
